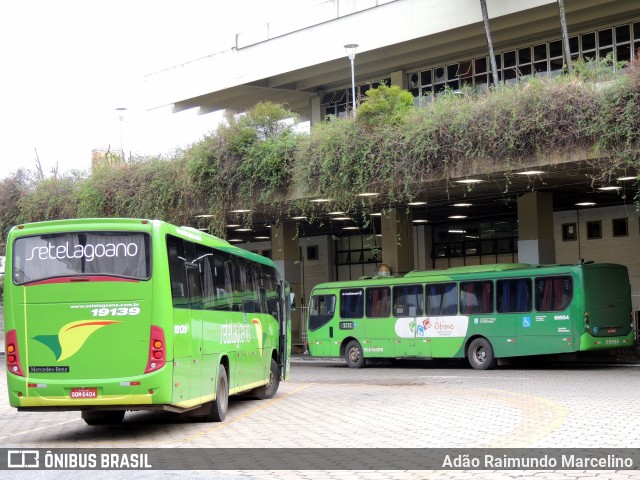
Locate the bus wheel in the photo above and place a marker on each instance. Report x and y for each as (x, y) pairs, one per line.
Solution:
(220, 405)
(105, 417)
(480, 354)
(353, 354)
(270, 389)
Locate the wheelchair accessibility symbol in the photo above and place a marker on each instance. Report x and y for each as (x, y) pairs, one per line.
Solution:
(526, 322)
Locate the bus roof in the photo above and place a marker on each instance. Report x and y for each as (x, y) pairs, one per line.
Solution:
(497, 267)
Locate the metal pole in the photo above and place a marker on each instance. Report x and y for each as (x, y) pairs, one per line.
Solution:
(353, 85)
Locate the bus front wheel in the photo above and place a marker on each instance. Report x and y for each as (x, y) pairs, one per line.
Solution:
(220, 405)
(480, 354)
(270, 389)
(353, 354)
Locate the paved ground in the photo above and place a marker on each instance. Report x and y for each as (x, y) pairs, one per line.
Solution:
(400, 405)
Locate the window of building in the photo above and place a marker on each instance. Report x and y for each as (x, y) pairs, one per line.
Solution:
(471, 239)
(594, 229)
(569, 232)
(620, 227)
(312, 252)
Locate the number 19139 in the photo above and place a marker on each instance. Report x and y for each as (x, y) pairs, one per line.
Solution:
(115, 312)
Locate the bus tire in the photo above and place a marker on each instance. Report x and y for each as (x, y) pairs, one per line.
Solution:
(480, 354)
(103, 417)
(270, 389)
(220, 405)
(353, 355)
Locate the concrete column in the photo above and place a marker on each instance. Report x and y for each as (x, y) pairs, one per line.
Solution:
(315, 110)
(285, 252)
(399, 78)
(536, 243)
(397, 240)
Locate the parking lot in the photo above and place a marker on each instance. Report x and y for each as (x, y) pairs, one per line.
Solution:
(390, 405)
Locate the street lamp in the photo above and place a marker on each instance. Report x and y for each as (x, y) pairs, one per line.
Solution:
(351, 53)
(121, 111)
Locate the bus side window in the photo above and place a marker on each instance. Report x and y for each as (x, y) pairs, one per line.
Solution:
(476, 297)
(407, 300)
(351, 303)
(177, 272)
(553, 294)
(442, 299)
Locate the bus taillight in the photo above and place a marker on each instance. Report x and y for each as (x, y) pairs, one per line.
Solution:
(586, 321)
(157, 350)
(13, 356)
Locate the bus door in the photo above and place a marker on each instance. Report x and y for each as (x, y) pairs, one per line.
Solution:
(380, 328)
(187, 320)
(351, 323)
(411, 339)
(286, 303)
(550, 328)
(320, 324)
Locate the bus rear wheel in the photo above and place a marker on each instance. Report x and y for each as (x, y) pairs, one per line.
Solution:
(353, 354)
(480, 354)
(220, 405)
(104, 417)
(270, 389)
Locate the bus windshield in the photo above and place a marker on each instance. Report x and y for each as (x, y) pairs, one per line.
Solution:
(122, 254)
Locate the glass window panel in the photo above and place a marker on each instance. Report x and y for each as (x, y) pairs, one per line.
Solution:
(476, 297)
(555, 49)
(605, 37)
(321, 310)
(452, 72)
(407, 301)
(442, 299)
(623, 34)
(351, 303)
(425, 77)
(513, 295)
(556, 64)
(378, 302)
(636, 31)
(439, 74)
(574, 45)
(540, 52)
(524, 56)
(509, 59)
(553, 294)
(480, 65)
(525, 70)
(541, 67)
(588, 41)
(623, 53)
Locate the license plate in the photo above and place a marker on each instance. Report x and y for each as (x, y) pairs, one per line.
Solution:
(84, 393)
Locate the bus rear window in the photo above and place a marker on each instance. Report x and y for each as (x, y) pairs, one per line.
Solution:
(121, 254)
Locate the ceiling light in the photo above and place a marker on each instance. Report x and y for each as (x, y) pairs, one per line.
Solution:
(233, 225)
(420, 221)
(298, 218)
(457, 231)
(242, 229)
(414, 204)
(585, 204)
(336, 213)
(368, 194)
(462, 204)
(610, 187)
(206, 215)
(262, 238)
(240, 210)
(457, 217)
(340, 218)
(350, 228)
(321, 200)
(626, 179)
(530, 172)
(469, 180)
(234, 240)
(375, 215)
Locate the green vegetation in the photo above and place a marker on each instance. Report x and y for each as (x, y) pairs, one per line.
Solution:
(258, 159)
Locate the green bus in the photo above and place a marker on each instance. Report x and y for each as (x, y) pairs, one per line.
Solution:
(481, 313)
(104, 316)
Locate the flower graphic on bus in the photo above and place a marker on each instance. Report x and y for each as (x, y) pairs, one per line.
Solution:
(71, 337)
(259, 334)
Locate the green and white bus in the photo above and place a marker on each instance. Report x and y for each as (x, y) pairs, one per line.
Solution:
(108, 315)
(481, 313)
